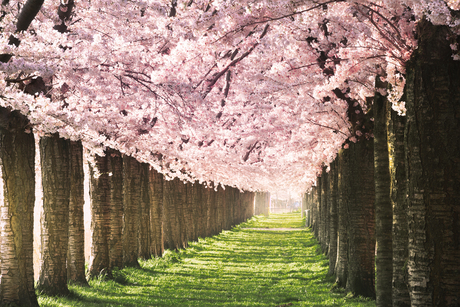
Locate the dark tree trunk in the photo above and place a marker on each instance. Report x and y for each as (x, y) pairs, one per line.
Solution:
(317, 209)
(383, 208)
(181, 207)
(201, 210)
(17, 151)
(116, 209)
(433, 169)
(343, 181)
(396, 125)
(100, 217)
(76, 251)
(156, 213)
(193, 210)
(324, 218)
(144, 214)
(333, 218)
(220, 200)
(361, 220)
(170, 214)
(212, 199)
(131, 201)
(207, 200)
(314, 209)
(55, 165)
(250, 205)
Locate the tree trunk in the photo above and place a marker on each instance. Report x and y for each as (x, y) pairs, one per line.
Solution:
(182, 206)
(201, 210)
(55, 165)
(171, 221)
(193, 210)
(131, 201)
(144, 214)
(383, 208)
(100, 217)
(156, 213)
(17, 192)
(361, 220)
(212, 218)
(76, 250)
(324, 219)
(396, 125)
(343, 181)
(433, 169)
(314, 209)
(116, 209)
(317, 208)
(333, 218)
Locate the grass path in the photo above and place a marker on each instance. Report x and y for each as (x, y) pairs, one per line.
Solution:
(242, 267)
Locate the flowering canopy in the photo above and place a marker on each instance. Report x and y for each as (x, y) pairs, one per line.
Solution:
(253, 94)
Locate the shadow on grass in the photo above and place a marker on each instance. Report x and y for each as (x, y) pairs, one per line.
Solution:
(235, 268)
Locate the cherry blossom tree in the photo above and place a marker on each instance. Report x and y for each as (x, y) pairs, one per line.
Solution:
(256, 95)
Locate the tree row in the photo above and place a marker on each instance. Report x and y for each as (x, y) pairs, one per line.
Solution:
(387, 210)
(135, 213)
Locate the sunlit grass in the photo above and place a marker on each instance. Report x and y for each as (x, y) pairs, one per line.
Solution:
(242, 267)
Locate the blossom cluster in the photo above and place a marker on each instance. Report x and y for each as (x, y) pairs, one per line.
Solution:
(239, 93)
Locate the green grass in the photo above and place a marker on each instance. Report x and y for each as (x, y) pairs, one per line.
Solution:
(242, 267)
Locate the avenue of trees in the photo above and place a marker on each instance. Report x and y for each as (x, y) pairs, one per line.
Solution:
(135, 213)
(355, 103)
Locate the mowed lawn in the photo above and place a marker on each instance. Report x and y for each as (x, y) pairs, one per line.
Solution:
(241, 267)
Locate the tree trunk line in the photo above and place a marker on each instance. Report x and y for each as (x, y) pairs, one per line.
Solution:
(131, 205)
(414, 193)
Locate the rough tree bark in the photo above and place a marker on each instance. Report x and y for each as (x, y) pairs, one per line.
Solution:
(361, 220)
(383, 208)
(131, 201)
(333, 217)
(170, 214)
(144, 214)
(116, 209)
(100, 217)
(17, 151)
(76, 250)
(342, 209)
(55, 165)
(156, 213)
(324, 218)
(395, 131)
(433, 169)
